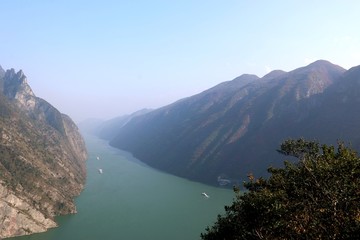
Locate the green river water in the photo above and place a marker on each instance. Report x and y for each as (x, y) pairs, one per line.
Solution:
(132, 201)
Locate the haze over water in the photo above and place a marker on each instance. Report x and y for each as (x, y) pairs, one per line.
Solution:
(133, 201)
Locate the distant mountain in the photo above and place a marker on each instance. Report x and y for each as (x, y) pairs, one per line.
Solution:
(235, 127)
(42, 159)
(108, 129)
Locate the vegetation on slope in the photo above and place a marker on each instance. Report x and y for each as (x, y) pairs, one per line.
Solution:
(317, 197)
(232, 128)
(42, 159)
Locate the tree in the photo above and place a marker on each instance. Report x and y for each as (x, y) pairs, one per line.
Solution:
(315, 197)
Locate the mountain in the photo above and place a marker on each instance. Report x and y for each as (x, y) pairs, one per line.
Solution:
(107, 129)
(235, 127)
(42, 159)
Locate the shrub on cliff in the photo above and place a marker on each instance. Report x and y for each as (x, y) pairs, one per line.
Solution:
(317, 197)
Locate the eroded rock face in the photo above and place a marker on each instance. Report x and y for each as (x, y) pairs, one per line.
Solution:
(19, 217)
(42, 160)
(16, 87)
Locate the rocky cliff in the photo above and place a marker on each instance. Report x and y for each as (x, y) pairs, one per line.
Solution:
(42, 159)
(235, 127)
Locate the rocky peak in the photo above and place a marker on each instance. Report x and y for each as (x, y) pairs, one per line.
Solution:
(15, 85)
(16, 88)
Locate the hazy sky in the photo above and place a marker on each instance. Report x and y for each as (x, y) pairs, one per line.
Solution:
(108, 58)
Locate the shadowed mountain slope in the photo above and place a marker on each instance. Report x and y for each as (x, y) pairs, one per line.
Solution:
(234, 128)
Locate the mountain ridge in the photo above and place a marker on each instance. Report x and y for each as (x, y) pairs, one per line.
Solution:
(229, 131)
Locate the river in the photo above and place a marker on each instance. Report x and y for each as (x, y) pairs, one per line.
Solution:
(131, 201)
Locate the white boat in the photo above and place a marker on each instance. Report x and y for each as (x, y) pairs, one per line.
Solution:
(205, 195)
(98, 158)
(100, 171)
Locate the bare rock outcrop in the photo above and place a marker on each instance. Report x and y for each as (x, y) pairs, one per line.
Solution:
(42, 160)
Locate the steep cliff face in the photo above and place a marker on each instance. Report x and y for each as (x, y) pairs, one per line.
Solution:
(42, 160)
(234, 128)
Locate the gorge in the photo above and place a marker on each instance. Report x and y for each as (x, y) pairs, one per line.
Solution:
(215, 137)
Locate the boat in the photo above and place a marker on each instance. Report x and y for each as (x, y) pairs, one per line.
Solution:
(100, 171)
(205, 195)
(98, 158)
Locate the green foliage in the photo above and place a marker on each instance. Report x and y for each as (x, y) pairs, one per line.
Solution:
(318, 197)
